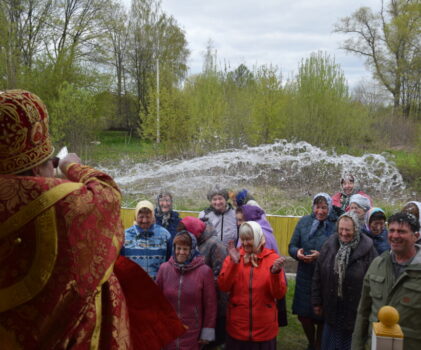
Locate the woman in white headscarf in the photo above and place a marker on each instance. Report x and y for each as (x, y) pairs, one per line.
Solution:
(349, 186)
(254, 278)
(360, 205)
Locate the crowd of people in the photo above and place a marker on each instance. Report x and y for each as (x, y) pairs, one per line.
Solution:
(72, 278)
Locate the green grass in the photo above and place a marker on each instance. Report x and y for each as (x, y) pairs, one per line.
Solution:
(117, 145)
(292, 336)
(409, 165)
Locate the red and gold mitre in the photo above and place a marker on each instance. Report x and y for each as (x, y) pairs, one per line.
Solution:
(24, 137)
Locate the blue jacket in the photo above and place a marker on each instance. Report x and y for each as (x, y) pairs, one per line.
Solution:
(380, 241)
(148, 248)
(300, 239)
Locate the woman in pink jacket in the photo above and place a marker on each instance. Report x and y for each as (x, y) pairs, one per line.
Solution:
(188, 284)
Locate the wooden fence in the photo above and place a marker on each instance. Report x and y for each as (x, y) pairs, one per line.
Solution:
(283, 226)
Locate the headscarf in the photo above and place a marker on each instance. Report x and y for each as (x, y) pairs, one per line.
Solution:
(255, 213)
(194, 225)
(193, 250)
(258, 243)
(344, 251)
(243, 197)
(345, 197)
(418, 205)
(316, 223)
(369, 214)
(351, 178)
(360, 200)
(165, 216)
(143, 205)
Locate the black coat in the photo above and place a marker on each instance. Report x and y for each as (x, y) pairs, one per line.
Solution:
(339, 312)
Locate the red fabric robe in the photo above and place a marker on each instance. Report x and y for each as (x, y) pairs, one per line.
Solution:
(57, 285)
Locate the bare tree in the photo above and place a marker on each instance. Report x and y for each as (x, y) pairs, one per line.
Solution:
(390, 41)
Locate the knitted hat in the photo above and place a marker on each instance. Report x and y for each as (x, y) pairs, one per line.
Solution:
(24, 137)
(217, 191)
(194, 225)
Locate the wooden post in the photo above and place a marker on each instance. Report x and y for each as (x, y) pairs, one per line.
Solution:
(387, 334)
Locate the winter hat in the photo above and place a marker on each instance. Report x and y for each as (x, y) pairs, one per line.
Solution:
(194, 225)
(251, 212)
(243, 197)
(360, 200)
(217, 191)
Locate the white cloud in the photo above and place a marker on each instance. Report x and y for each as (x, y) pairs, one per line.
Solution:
(267, 32)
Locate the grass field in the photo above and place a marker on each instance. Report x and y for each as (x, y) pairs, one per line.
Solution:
(291, 337)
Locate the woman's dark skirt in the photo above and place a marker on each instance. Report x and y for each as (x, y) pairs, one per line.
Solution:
(234, 344)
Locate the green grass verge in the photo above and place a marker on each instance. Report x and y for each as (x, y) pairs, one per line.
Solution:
(117, 145)
(291, 337)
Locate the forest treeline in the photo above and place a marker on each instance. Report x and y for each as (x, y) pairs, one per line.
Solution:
(96, 64)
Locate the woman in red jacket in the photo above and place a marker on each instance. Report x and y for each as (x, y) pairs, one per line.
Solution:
(252, 276)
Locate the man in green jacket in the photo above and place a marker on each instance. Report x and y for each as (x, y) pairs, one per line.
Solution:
(394, 278)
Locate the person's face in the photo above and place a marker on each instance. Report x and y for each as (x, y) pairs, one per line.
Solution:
(144, 219)
(321, 210)
(376, 226)
(240, 218)
(182, 253)
(247, 243)
(357, 210)
(165, 203)
(346, 230)
(401, 238)
(219, 203)
(45, 169)
(347, 187)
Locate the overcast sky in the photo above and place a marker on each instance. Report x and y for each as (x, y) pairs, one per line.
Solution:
(261, 32)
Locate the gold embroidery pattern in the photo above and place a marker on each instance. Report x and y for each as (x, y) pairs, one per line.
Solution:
(35, 207)
(42, 265)
(24, 138)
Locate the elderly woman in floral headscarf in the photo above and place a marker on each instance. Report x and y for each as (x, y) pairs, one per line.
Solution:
(307, 240)
(349, 186)
(337, 281)
(164, 213)
(253, 275)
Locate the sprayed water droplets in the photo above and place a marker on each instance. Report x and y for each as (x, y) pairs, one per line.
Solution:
(297, 168)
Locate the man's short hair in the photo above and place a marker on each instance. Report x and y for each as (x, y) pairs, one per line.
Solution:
(405, 218)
